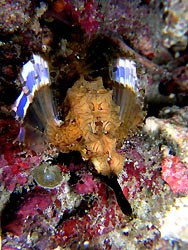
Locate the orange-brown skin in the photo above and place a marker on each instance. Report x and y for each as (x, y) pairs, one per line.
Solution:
(90, 126)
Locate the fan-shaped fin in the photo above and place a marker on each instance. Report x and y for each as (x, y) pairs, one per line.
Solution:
(35, 107)
(126, 93)
(34, 75)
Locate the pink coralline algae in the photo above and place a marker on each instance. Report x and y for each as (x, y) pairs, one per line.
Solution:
(139, 172)
(86, 185)
(90, 16)
(84, 206)
(14, 165)
(175, 173)
(33, 204)
(127, 18)
(101, 217)
(83, 13)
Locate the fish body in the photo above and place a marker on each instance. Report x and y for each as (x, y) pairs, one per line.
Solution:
(97, 118)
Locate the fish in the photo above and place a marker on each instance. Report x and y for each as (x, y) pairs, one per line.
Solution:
(97, 118)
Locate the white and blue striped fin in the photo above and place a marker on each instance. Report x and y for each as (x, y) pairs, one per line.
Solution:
(35, 106)
(124, 73)
(126, 92)
(34, 75)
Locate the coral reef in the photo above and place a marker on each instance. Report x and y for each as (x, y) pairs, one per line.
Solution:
(80, 210)
(169, 226)
(174, 172)
(19, 15)
(175, 30)
(82, 203)
(172, 127)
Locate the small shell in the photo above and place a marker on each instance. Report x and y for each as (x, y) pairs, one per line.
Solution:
(48, 176)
